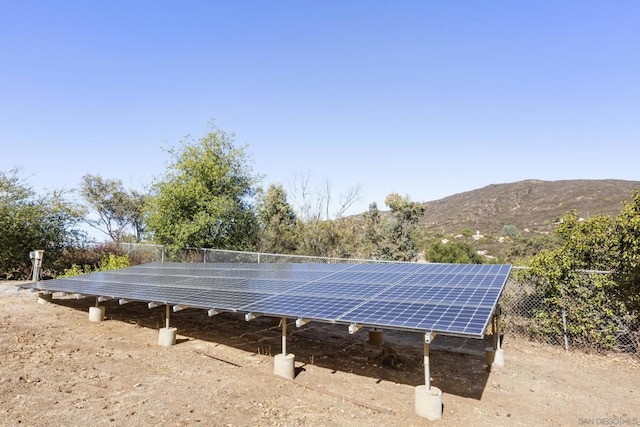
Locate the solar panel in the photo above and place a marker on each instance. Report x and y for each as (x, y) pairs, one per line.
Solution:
(456, 299)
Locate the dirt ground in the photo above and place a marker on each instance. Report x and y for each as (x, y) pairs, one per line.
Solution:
(57, 368)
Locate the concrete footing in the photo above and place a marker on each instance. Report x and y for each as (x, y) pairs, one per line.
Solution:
(428, 402)
(284, 366)
(167, 336)
(45, 298)
(96, 314)
(376, 338)
(494, 358)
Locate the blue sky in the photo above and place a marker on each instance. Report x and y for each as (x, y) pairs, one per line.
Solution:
(423, 98)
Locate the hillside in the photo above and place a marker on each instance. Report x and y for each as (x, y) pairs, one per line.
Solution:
(532, 204)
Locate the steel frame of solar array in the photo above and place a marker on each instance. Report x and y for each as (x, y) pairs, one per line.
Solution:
(450, 299)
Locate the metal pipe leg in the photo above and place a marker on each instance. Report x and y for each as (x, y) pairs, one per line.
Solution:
(427, 370)
(168, 311)
(284, 336)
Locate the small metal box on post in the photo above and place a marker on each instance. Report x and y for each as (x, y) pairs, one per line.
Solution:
(36, 272)
(36, 261)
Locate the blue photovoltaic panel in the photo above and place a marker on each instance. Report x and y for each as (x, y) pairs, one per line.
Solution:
(339, 290)
(456, 299)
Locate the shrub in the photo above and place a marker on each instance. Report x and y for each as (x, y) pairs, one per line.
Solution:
(571, 279)
(511, 231)
(108, 262)
(114, 262)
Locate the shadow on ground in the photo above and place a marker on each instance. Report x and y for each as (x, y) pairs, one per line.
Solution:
(457, 364)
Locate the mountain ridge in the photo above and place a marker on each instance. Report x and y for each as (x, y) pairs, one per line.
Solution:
(531, 205)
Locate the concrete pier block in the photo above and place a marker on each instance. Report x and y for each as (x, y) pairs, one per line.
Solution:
(489, 353)
(284, 366)
(96, 314)
(376, 338)
(45, 298)
(167, 336)
(494, 358)
(428, 402)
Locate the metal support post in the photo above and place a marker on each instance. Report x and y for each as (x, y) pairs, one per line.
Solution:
(168, 313)
(428, 400)
(497, 343)
(284, 336)
(493, 331)
(564, 330)
(427, 370)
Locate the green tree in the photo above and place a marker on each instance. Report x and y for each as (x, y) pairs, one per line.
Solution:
(109, 200)
(398, 233)
(347, 241)
(137, 202)
(278, 222)
(205, 197)
(372, 234)
(453, 252)
(120, 213)
(29, 221)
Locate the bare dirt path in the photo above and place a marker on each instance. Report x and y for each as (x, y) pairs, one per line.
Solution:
(57, 368)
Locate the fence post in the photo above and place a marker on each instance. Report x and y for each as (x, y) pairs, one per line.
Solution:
(564, 318)
(564, 330)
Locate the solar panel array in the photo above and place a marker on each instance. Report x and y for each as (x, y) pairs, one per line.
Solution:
(454, 299)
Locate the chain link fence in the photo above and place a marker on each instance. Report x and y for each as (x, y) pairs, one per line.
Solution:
(528, 314)
(525, 313)
(142, 253)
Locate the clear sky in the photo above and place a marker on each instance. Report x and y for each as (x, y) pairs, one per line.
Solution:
(423, 98)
